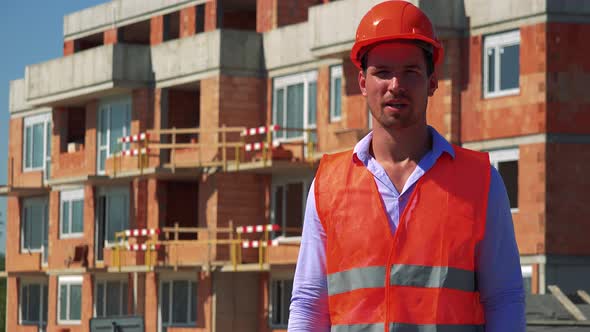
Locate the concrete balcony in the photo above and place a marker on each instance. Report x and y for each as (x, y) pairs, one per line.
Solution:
(333, 25)
(207, 54)
(118, 13)
(89, 74)
(288, 46)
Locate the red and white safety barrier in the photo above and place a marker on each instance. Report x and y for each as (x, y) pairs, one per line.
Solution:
(134, 138)
(142, 232)
(258, 145)
(257, 244)
(258, 228)
(260, 130)
(142, 247)
(135, 152)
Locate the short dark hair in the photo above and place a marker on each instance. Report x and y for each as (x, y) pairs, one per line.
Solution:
(428, 58)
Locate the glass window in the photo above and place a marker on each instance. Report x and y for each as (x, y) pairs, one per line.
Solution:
(114, 122)
(72, 213)
(178, 305)
(70, 300)
(295, 104)
(112, 215)
(280, 299)
(506, 162)
(335, 93)
(34, 225)
(288, 205)
(37, 143)
(501, 64)
(33, 303)
(111, 298)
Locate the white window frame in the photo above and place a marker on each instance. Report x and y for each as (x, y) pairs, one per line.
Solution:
(104, 280)
(30, 121)
(497, 42)
(505, 155)
(70, 196)
(68, 281)
(283, 182)
(284, 306)
(282, 83)
(44, 287)
(527, 272)
(28, 202)
(106, 105)
(178, 277)
(335, 73)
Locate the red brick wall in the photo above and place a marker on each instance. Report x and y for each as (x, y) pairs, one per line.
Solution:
(211, 15)
(15, 260)
(188, 18)
(568, 211)
(66, 164)
(265, 15)
(16, 176)
(529, 221)
(291, 12)
(110, 36)
(156, 30)
(444, 107)
(61, 251)
(522, 114)
(334, 135)
(568, 76)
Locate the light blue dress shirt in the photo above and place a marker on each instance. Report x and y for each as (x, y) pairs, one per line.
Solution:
(499, 277)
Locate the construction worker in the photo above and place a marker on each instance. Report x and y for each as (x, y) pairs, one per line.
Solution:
(405, 233)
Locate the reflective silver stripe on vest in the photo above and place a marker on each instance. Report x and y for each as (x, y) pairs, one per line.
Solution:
(358, 328)
(432, 277)
(397, 327)
(346, 281)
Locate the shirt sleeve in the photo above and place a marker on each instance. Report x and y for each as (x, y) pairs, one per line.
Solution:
(309, 300)
(498, 265)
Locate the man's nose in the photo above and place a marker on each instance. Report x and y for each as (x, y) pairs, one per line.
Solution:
(395, 85)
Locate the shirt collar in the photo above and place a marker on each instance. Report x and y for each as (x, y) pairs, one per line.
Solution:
(439, 145)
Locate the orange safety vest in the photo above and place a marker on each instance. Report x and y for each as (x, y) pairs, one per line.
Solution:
(422, 279)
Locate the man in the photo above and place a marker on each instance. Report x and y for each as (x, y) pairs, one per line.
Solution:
(406, 233)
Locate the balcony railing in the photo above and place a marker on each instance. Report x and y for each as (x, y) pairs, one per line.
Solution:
(226, 148)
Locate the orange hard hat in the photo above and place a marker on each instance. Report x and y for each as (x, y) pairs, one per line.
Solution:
(394, 20)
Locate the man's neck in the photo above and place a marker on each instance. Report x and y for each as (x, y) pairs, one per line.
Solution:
(393, 146)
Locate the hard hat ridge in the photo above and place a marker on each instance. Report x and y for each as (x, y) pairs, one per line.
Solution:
(394, 20)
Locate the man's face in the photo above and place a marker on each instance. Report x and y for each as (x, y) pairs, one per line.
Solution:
(396, 85)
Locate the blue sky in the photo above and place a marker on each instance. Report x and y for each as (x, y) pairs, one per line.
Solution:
(31, 32)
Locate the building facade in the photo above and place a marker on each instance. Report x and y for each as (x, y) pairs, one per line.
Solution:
(189, 120)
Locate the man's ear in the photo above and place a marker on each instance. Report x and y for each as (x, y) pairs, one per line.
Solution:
(432, 84)
(362, 83)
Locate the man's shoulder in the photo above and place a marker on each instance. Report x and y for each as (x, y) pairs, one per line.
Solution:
(468, 155)
(337, 157)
